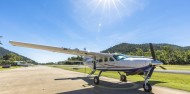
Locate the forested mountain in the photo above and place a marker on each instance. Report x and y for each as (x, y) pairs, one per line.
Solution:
(167, 53)
(127, 48)
(4, 51)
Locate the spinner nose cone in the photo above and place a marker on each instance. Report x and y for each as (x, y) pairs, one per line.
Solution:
(156, 62)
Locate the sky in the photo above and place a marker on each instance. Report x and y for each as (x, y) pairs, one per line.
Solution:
(92, 24)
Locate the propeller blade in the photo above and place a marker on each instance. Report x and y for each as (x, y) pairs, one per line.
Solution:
(94, 63)
(162, 67)
(152, 51)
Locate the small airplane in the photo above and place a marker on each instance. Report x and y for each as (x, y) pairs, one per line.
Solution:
(109, 62)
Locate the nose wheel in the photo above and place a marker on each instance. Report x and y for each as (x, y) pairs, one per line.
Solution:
(123, 78)
(147, 87)
(96, 80)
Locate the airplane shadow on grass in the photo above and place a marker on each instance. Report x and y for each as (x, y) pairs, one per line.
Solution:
(106, 87)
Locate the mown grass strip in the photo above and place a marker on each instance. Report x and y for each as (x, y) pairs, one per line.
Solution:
(176, 81)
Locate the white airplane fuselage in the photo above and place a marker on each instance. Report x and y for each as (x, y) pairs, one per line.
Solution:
(127, 63)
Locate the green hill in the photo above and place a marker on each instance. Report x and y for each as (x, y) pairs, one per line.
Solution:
(167, 53)
(126, 48)
(4, 51)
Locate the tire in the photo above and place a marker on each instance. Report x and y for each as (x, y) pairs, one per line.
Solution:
(96, 80)
(123, 78)
(147, 88)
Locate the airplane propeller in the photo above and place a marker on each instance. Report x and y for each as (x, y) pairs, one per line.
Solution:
(154, 56)
(94, 65)
(162, 67)
(152, 52)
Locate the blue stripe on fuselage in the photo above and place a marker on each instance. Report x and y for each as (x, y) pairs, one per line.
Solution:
(125, 70)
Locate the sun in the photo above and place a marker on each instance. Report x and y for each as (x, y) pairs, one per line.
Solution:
(107, 11)
(109, 6)
(102, 13)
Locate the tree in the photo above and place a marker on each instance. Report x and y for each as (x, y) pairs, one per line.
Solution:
(139, 52)
(12, 57)
(167, 54)
(187, 57)
(160, 55)
(78, 58)
(50, 63)
(179, 57)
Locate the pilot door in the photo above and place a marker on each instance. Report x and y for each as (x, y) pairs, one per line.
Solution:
(109, 62)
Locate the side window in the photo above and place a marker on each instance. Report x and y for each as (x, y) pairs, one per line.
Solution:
(97, 59)
(111, 59)
(105, 59)
(100, 60)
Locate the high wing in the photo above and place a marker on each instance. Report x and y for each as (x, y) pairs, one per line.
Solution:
(59, 50)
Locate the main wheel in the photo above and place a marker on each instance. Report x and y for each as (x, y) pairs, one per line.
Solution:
(123, 78)
(147, 88)
(96, 80)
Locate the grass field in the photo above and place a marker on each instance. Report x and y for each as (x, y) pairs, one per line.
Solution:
(12, 67)
(177, 81)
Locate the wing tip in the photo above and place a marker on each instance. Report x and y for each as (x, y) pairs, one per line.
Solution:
(12, 42)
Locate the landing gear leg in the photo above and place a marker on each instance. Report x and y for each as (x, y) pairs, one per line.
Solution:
(92, 72)
(146, 86)
(123, 78)
(96, 78)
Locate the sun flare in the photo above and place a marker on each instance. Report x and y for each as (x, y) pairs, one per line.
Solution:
(101, 13)
(108, 6)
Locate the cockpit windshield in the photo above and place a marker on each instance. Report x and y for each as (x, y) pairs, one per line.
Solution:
(120, 57)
